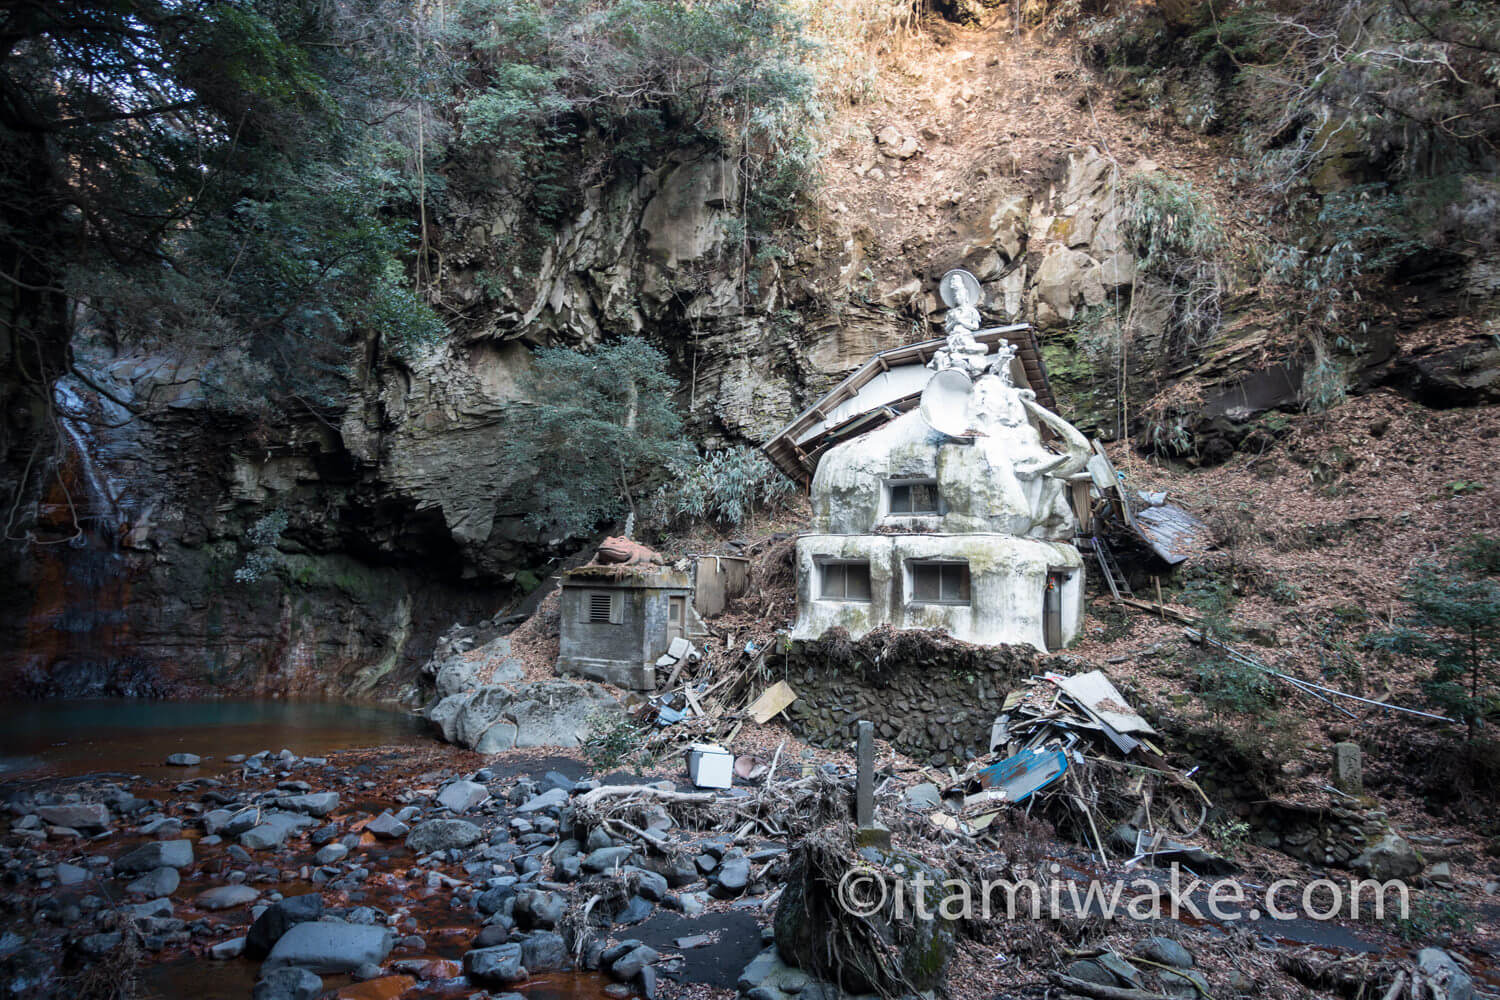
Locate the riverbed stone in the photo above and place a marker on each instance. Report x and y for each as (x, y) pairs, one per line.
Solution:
(1186, 983)
(326, 947)
(461, 796)
(184, 760)
(550, 799)
(1167, 952)
(629, 965)
(89, 817)
(497, 966)
(287, 984)
(544, 951)
(225, 950)
(331, 854)
(443, 834)
(318, 804)
(71, 874)
(607, 858)
(1090, 972)
(278, 918)
(650, 885)
(161, 854)
(731, 876)
(387, 827)
(225, 897)
(538, 909)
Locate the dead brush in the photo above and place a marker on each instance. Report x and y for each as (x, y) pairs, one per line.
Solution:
(593, 910)
(114, 975)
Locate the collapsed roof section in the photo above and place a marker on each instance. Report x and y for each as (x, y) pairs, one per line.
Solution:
(883, 388)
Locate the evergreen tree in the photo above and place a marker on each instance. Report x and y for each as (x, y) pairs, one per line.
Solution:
(599, 430)
(1455, 625)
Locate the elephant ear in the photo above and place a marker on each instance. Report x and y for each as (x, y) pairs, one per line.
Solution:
(1075, 445)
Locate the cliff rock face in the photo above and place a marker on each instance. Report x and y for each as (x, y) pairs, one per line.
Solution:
(217, 551)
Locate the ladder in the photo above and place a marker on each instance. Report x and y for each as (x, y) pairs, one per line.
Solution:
(1119, 586)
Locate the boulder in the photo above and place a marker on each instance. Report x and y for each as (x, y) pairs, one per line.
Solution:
(161, 854)
(443, 834)
(444, 714)
(922, 798)
(327, 947)
(1091, 972)
(1390, 857)
(1186, 983)
(1446, 978)
(455, 675)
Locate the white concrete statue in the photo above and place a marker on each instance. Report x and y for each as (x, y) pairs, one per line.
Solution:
(961, 322)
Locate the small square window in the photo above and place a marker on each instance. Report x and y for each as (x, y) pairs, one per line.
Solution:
(915, 497)
(940, 582)
(844, 581)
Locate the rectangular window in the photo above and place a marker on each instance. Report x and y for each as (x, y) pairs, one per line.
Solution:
(940, 582)
(919, 496)
(601, 606)
(844, 581)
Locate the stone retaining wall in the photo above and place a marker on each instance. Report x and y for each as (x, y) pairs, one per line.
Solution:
(933, 698)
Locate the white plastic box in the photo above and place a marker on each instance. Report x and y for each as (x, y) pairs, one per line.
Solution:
(710, 765)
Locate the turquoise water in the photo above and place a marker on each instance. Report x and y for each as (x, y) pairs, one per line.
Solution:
(72, 737)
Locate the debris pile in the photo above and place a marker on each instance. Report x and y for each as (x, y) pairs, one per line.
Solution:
(1077, 748)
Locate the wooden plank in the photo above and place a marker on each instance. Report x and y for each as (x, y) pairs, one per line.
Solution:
(771, 702)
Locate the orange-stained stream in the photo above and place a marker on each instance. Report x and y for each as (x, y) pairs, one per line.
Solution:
(137, 735)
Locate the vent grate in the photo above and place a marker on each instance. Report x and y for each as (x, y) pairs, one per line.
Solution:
(600, 606)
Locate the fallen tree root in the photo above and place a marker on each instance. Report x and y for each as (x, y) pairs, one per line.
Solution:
(1089, 989)
(598, 795)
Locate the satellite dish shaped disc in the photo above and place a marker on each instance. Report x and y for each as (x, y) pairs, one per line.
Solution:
(945, 403)
(970, 285)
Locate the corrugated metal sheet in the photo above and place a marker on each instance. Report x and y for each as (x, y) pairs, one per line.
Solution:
(1172, 532)
(796, 447)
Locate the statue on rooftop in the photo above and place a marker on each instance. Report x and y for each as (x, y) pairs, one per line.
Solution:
(960, 292)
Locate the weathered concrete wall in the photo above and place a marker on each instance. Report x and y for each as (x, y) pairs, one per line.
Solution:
(622, 652)
(932, 698)
(1007, 581)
